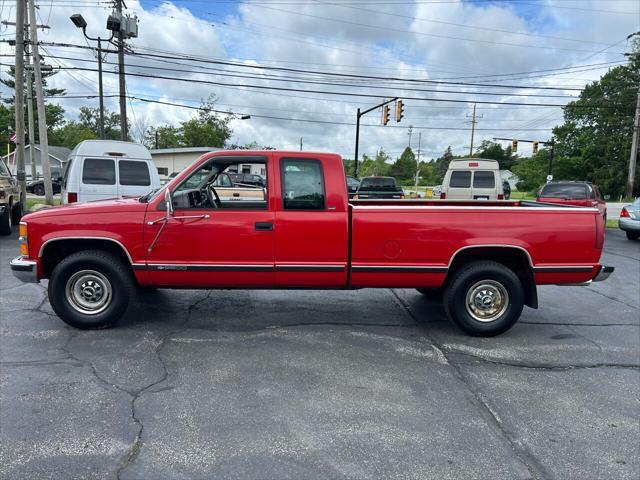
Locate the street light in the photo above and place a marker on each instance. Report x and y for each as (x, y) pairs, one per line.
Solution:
(79, 21)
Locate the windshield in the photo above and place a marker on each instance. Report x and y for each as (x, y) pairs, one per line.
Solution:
(378, 183)
(566, 191)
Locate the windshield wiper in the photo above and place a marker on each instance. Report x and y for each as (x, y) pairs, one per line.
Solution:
(145, 198)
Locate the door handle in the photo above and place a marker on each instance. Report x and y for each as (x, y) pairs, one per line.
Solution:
(264, 226)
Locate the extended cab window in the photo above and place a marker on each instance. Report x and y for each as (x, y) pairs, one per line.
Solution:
(302, 184)
(460, 179)
(133, 173)
(99, 171)
(484, 180)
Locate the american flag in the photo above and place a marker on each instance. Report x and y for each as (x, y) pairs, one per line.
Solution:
(13, 138)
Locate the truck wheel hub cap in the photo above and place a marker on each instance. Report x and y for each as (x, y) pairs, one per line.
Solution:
(89, 292)
(487, 300)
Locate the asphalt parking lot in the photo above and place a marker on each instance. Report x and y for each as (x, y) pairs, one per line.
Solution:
(301, 384)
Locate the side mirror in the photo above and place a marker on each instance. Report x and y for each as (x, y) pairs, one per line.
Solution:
(168, 202)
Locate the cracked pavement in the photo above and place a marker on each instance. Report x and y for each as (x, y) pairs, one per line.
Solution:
(318, 384)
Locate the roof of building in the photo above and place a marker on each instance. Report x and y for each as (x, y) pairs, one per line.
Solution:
(58, 153)
(160, 151)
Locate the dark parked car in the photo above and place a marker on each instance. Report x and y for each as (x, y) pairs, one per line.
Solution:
(630, 220)
(37, 187)
(379, 187)
(352, 185)
(247, 179)
(582, 194)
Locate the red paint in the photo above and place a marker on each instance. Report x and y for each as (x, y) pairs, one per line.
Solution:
(410, 242)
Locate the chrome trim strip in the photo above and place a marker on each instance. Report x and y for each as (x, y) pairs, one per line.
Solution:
(24, 270)
(563, 269)
(310, 268)
(399, 269)
(172, 267)
(85, 238)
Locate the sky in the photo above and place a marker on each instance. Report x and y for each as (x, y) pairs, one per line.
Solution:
(302, 68)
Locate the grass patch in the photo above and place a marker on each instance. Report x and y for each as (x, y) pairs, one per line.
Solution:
(31, 202)
(612, 223)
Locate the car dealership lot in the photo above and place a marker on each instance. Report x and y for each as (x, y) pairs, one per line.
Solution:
(304, 384)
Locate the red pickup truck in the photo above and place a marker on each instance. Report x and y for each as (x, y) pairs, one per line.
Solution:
(484, 258)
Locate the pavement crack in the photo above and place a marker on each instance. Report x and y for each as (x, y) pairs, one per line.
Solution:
(611, 298)
(522, 453)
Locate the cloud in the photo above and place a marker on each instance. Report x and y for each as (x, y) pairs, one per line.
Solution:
(422, 40)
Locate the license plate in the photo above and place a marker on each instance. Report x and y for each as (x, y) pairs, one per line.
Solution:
(481, 198)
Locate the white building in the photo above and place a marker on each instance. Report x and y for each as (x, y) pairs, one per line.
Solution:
(174, 160)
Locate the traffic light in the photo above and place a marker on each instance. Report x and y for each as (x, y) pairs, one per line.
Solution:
(399, 110)
(385, 114)
(514, 145)
(535, 147)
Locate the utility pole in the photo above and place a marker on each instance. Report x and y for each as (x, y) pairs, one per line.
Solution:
(123, 98)
(633, 157)
(473, 128)
(30, 121)
(418, 162)
(19, 101)
(410, 133)
(42, 120)
(300, 143)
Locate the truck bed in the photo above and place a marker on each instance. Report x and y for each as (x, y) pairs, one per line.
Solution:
(413, 243)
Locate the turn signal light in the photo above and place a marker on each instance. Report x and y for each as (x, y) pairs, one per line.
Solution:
(624, 213)
(72, 197)
(500, 196)
(24, 244)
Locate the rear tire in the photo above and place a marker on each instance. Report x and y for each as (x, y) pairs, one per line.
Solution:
(484, 298)
(5, 221)
(38, 190)
(632, 235)
(90, 289)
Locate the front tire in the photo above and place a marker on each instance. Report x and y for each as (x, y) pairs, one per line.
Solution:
(484, 299)
(38, 190)
(90, 289)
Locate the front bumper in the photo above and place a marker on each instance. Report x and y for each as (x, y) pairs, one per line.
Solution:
(24, 270)
(603, 273)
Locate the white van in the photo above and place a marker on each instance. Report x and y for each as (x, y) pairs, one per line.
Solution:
(99, 169)
(472, 179)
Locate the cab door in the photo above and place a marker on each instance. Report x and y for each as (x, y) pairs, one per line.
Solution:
(229, 247)
(311, 227)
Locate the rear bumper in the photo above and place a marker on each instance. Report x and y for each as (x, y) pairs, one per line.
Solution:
(629, 224)
(603, 273)
(24, 270)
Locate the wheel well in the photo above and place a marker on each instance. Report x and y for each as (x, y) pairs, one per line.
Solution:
(55, 251)
(513, 258)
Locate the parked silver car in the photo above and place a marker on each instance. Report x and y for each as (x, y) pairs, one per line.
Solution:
(630, 220)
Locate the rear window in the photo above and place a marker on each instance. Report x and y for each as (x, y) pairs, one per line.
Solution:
(378, 182)
(484, 180)
(99, 171)
(565, 191)
(460, 179)
(302, 184)
(133, 173)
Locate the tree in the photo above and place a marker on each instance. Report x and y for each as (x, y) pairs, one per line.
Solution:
(494, 151)
(442, 164)
(163, 136)
(595, 140)
(70, 134)
(54, 113)
(428, 173)
(89, 117)
(404, 168)
(207, 129)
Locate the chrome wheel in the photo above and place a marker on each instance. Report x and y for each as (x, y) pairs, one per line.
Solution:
(89, 292)
(487, 300)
